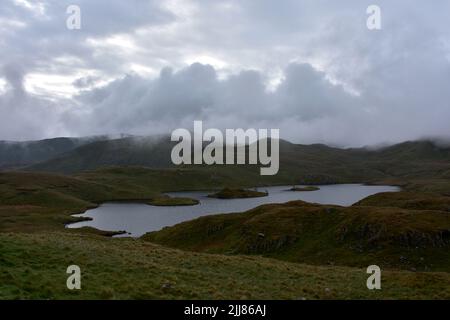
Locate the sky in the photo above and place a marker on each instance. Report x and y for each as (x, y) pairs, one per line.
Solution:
(309, 68)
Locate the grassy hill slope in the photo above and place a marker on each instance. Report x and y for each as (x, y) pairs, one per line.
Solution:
(34, 267)
(316, 234)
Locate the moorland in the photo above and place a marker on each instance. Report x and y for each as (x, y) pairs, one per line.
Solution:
(295, 250)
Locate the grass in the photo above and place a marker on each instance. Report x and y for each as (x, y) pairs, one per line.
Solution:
(408, 200)
(34, 267)
(301, 232)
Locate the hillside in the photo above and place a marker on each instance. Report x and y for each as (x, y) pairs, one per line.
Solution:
(18, 154)
(34, 265)
(299, 164)
(130, 151)
(301, 232)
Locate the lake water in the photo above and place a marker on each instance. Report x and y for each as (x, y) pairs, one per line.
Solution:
(138, 218)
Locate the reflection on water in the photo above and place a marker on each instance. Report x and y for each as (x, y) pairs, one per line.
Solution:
(137, 219)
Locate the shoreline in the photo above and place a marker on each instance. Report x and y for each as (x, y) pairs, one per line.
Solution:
(146, 201)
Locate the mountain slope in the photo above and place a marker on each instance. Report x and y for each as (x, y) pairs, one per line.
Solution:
(316, 234)
(17, 154)
(299, 164)
(130, 151)
(34, 265)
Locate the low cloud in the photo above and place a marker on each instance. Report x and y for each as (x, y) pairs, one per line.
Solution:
(311, 69)
(306, 106)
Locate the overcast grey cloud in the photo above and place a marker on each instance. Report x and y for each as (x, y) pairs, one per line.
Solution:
(310, 68)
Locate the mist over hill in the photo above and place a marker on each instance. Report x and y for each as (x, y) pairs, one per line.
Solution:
(151, 152)
(16, 154)
(309, 164)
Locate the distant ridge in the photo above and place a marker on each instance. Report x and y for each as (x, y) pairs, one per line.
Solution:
(316, 163)
(130, 151)
(20, 154)
(17, 154)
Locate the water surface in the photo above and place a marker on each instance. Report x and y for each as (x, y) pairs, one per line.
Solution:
(138, 218)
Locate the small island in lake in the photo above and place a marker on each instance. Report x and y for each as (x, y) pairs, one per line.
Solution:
(169, 201)
(228, 193)
(303, 189)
